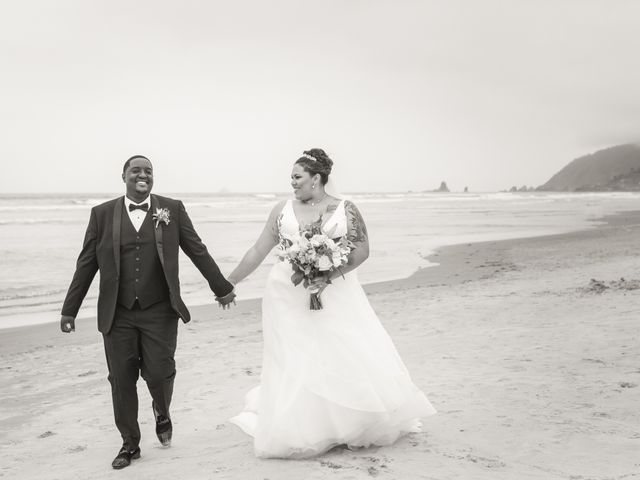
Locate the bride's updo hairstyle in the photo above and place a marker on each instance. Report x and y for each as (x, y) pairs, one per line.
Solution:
(316, 161)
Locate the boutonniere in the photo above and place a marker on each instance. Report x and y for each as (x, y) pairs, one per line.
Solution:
(162, 215)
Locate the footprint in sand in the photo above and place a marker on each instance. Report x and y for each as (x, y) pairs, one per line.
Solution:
(379, 463)
(486, 462)
(383, 460)
(594, 360)
(76, 449)
(627, 385)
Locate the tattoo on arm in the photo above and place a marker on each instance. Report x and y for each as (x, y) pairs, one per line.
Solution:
(357, 228)
(331, 208)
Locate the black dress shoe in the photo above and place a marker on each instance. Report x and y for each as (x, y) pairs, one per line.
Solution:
(164, 428)
(124, 457)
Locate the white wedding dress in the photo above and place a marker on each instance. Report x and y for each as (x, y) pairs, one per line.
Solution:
(329, 377)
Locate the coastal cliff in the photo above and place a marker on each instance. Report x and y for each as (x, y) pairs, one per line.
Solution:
(612, 169)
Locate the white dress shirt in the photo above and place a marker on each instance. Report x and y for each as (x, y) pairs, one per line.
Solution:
(137, 216)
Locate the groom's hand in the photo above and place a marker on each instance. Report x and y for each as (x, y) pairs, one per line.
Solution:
(67, 324)
(225, 302)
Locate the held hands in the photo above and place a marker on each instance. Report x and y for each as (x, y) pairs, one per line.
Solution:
(67, 323)
(225, 302)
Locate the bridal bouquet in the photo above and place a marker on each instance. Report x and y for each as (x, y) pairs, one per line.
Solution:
(313, 254)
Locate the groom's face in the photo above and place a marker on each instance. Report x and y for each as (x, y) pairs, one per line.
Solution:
(138, 177)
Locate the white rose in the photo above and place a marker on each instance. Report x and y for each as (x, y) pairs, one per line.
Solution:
(317, 240)
(324, 263)
(294, 249)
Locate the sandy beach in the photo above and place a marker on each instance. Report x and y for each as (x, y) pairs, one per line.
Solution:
(533, 367)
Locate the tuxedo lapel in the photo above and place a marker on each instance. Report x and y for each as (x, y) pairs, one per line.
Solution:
(157, 231)
(117, 219)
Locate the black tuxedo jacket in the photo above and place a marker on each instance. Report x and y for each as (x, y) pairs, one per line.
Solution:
(101, 251)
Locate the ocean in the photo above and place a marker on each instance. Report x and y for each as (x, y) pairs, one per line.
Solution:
(41, 236)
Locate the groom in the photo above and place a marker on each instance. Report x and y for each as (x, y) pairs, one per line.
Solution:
(133, 241)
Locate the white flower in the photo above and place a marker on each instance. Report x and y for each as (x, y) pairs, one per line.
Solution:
(162, 215)
(317, 240)
(292, 237)
(324, 263)
(303, 243)
(294, 249)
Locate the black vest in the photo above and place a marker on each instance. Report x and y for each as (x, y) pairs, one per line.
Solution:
(141, 274)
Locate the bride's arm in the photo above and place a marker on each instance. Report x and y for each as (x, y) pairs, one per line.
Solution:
(257, 253)
(357, 233)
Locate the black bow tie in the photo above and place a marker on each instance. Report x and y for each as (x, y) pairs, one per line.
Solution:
(142, 206)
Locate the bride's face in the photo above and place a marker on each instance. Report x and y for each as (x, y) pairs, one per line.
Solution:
(302, 183)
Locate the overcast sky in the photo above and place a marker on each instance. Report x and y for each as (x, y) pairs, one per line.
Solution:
(226, 95)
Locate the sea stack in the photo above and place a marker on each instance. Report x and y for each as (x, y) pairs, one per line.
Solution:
(443, 188)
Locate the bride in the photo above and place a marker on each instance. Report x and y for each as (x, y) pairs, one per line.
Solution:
(332, 376)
